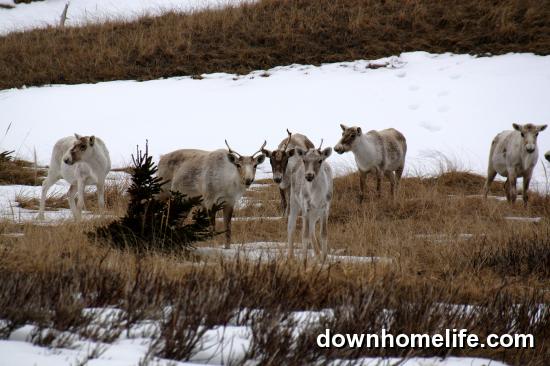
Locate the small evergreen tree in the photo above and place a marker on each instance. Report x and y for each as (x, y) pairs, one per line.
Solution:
(151, 223)
(6, 156)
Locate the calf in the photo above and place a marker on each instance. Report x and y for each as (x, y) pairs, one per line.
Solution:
(220, 177)
(381, 152)
(514, 154)
(282, 164)
(81, 161)
(310, 195)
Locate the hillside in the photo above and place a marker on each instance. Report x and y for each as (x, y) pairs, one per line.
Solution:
(268, 33)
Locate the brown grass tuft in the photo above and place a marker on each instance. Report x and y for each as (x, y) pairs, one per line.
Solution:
(17, 171)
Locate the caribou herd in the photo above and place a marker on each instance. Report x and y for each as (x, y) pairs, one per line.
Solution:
(300, 170)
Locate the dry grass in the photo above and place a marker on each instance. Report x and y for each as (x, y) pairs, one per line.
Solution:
(115, 200)
(270, 33)
(17, 171)
(501, 268)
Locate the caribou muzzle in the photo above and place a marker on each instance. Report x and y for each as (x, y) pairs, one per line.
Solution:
(339, 149)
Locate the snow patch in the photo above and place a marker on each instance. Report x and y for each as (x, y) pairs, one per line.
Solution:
(81, 12)
(456, 116)
(267, 251)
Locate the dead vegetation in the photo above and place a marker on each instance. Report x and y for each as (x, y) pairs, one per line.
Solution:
(457, 263)
(18, 171)
(269, 33)
(115, 199)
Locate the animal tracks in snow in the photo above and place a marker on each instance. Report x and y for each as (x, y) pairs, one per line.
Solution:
(432, 127)
(401, 74)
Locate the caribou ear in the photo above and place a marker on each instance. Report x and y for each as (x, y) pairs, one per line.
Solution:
(266, 153)
(92, 140)
(260, 159)
(232, 158)
(359, 131)
(77, 136)
(326, 152)
(542, 127)
(343, 126)
(516, 126)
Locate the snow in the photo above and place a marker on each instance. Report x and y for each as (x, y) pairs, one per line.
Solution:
(10, 210)
(452, 104)
(429, 361)
(220, 345)
(268, 251)
(47, 13)
(254, 218)
(523, 219)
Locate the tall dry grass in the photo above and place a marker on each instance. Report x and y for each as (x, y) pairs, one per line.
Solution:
(448, 249)
(239, 39)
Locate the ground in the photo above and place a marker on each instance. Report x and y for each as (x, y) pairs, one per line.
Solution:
(437, 247)
(439, 256)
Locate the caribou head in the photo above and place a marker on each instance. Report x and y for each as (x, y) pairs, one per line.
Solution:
(82, 147)
(279, 159)
(349, 134)
(246, 165)
(529, 134)
(313, 159)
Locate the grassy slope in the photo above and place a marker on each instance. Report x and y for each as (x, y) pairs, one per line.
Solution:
(271, 33)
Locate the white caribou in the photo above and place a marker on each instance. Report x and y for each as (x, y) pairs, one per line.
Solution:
(380, 152)
(282, 164)
(514, 154)
(310, 195)
(81, 161)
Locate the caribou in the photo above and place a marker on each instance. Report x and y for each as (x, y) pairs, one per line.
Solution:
(381, 152)
(81, 161)
(220, 177)
(310, 195)
(514, 154)
(283, 165)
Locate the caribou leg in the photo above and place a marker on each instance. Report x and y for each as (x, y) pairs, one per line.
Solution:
(526, 181)
(283, 201)
(291, 226)
(379, 182)
(212, 217)
(227, 215)
(491, 174)
(362, 185)
(391, 177)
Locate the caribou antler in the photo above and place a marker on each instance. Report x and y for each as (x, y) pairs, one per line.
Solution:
(287, 141)
(231, 150)
(320, 145)
(261, 148)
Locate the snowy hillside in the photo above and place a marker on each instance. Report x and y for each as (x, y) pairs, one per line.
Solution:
(454, 104)
(44, 13)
